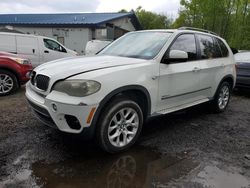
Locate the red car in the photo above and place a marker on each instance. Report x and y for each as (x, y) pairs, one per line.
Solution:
(14, 71)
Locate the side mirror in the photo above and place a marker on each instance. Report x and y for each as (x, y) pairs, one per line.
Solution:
(62, 49)
(176, 56)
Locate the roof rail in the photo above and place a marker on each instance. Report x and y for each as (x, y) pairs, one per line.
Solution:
(197, 29)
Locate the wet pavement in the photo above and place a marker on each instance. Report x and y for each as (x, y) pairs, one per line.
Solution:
(191, 148)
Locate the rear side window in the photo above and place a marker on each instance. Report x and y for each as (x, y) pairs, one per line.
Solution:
(186, 43)
(209, 48)
(217, 49)
(223, 48)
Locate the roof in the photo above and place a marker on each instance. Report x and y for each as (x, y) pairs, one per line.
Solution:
(81, 19)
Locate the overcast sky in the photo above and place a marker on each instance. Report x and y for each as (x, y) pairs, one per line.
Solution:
(169, 7)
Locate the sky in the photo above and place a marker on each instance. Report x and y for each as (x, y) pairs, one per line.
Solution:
(168, 7)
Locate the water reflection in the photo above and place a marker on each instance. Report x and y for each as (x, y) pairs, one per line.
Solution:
(138, 167)
(122, 172)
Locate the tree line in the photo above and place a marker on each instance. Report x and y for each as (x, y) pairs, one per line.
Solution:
(228, 18)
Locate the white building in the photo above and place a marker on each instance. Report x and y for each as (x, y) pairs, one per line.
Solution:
(73, 30)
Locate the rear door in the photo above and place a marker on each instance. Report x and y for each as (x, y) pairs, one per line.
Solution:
(28, 46)
(179, 82)
(213, 62)
(8, 43)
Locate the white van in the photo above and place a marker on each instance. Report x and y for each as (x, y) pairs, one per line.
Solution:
(38, 49)
(94, 46)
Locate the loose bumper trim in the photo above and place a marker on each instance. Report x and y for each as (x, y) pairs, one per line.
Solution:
(42, 114)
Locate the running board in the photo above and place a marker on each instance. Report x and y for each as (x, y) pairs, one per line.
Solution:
(181, 107)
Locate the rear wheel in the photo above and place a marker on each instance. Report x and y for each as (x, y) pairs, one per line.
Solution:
(119, 126)
(8, 82)
(222, 97)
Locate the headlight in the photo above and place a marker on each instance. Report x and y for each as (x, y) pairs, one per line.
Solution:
(21, 61)
(77, 88)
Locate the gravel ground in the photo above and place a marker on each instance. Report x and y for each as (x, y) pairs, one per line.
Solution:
(190, 148)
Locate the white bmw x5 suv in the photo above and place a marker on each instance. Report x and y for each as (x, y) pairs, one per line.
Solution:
(142, 74)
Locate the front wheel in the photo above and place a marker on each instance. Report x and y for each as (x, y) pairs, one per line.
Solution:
(119, 126)
(8, 83)
(222, 97)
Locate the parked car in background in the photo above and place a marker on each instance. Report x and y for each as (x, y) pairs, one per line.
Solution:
(94, 46)
(242, 60)
(140, 75)
(38, 49)
(14, 71)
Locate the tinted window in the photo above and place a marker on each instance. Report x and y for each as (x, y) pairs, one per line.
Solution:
(223, 48)
(208, 47)
(186, 43)
(52, 45)
(217, 49)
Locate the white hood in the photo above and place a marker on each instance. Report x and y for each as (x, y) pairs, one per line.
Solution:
(67, 67)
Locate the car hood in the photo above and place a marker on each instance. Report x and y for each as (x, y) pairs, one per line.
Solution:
(10, 55)
(67, 67)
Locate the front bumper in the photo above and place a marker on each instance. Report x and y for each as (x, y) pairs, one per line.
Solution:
(68, 118)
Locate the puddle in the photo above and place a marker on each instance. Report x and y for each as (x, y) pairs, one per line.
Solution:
(211, 176)
(135, 168)
(139, 167)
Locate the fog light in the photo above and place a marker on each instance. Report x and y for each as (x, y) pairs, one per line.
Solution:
(54, 107)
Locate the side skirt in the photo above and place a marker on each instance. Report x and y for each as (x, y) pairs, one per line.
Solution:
(180, 107)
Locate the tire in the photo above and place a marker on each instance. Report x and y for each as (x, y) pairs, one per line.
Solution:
(8, 83)
(112, 128)
(222, 98)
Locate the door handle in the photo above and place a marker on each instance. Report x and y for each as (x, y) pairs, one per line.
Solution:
(154, 77)
(46, 51)
(223, 65)
(196, 69)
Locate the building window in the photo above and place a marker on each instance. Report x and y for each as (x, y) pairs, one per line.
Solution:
(61, 40)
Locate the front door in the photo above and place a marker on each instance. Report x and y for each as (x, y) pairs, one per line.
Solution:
(179, 82)
(53, 50)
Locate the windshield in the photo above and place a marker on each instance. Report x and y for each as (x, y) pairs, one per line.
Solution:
(144, 45)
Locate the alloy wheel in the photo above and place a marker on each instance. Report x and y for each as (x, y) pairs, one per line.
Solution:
(223, 97)
(6, 83)
(123, 127)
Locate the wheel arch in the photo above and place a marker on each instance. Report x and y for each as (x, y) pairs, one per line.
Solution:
(229, 78)
(12, 71)
(129, 91)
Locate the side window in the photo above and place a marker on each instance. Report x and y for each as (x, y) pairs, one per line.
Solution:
(223, 48)
(208, 47)
(186, 43)
(52, 45)
(217, 49)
